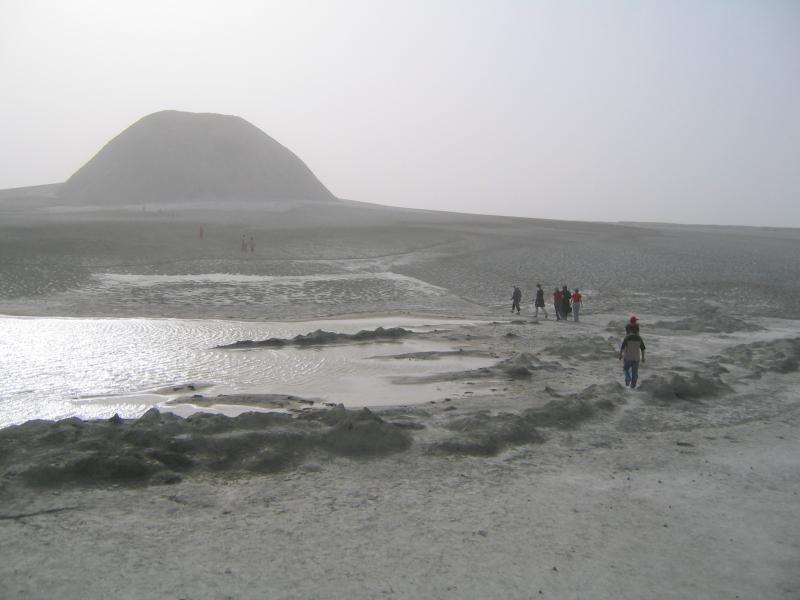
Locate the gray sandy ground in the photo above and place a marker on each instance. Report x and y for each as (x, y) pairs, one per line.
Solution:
(562, 481)
(550, 479)
(315, 260)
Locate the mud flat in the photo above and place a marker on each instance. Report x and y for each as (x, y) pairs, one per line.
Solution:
(545, 474)
(534, 473)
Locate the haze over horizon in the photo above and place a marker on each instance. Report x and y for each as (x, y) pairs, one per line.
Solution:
(676, 112)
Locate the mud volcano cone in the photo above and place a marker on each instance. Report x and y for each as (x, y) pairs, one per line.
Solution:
(173, 156)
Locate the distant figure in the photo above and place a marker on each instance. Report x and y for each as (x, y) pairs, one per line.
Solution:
(516, 298)
(539, 302)
(244, 243)
(201, 232)
(632, 350)
(576, 304)
(558, 303)
(632, 326)
(252, 245)
(565, 296)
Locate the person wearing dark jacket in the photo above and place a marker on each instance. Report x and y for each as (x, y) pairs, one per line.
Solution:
(632, 351)
(539, 302)
(516, 298)
(558, 303)
(565, 298)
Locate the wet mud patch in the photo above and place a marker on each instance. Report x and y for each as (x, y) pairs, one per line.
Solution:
(521, 366)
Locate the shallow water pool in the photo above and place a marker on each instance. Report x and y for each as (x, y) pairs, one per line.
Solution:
(52, 368)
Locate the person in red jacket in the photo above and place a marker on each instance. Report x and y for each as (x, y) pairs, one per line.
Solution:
(576, 304)
(558, 302)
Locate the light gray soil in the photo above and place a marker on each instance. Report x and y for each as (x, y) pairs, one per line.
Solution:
(550, 479)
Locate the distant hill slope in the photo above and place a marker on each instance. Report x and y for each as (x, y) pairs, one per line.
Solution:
(176, 156)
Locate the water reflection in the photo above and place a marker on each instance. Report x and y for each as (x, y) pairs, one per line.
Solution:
(92, 368)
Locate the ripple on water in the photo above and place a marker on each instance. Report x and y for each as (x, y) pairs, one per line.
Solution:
(92, 368)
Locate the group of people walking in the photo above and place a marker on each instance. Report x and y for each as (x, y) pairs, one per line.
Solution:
(565, 302)
(631, 351)
(251, 245)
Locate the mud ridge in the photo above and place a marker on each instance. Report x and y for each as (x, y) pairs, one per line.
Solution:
(161, 448)
(323, 338)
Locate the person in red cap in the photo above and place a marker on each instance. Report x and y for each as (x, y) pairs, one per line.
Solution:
(632, 351)
(632, 326)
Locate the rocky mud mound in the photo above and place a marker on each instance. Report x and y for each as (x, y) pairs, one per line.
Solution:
(484, 434)
(570, 411)
(282, 401)
(774, 356)
(677, 387)
(591, 348)
(324, 338)
(163, 448)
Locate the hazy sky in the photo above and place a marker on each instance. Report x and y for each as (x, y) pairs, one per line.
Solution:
(683, 111)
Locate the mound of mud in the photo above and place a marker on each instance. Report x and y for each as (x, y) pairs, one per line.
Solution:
(361, 434)
(163, 448)
(589, 348)
(775, 356)
(324, 338)
(676, 387)
(520, 366)
(569, 412)
(259, 400)
(484, 434)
